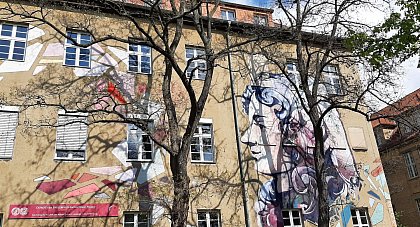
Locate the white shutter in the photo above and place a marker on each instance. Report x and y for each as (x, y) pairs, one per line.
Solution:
(8, 123)
(71, 133)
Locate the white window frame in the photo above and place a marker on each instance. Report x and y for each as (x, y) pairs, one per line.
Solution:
(68, 44)
(140, 56)
(199, 74)
(411, 165)
(290, 213)
(207, 218)
(358, 217)
(13, 39)
(136, 218)
(260, 19)
(224, 14)
(418, 204)
(201, 136)
(140, 145)
(332, 79)
(10, 131)
(81, 120)
(291, 68)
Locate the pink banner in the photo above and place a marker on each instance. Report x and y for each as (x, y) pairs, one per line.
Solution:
(23, 211)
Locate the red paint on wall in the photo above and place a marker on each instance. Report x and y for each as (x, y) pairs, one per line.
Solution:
(378, 170)
(113, 91)
(45, 211)
(55, 186)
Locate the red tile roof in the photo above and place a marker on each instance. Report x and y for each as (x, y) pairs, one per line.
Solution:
(406, 103)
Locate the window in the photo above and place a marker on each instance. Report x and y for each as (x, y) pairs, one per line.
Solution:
(418, 204)
(292, 71)
(13, 41)
(332, 79)
(71, 136)
(360, 217)
(151, 3)
(8, 123)
(137, 219)
(140, 145)
(139, 58)
(1, 219)
(260, 19)
(228, 14)
(197, 67)
(209, 218)
(202, 143)
(75, 55)
(292, 218)
(411, 165)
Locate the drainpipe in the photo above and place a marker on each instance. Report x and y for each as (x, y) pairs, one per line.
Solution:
(238, 143)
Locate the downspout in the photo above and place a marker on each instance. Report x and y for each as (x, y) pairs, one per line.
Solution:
(238, 144)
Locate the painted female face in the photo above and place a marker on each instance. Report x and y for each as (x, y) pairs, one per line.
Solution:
(264, 137)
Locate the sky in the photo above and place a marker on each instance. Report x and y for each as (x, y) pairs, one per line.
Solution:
(410, 80)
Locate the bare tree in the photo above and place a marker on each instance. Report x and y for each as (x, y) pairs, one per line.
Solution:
(161, 26)
(318, 32)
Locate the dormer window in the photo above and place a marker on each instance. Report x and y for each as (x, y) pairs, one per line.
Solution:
(227, 14)
(260, 19)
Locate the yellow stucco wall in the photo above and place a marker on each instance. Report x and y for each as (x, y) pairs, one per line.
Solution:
(214, 186)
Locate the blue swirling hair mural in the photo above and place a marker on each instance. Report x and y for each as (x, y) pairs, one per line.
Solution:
(281, 139)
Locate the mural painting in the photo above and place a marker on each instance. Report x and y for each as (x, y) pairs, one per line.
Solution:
(281, 139)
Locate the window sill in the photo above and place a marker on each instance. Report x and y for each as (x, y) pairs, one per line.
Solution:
(141, 161)
(7, 59)
(76, 66)
(140, 73)
(413, 178)
(203, 163)
(68, 160)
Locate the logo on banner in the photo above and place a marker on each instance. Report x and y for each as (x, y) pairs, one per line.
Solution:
(23, 211)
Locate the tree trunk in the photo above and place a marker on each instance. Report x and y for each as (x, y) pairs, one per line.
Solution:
(180, 204)
(319, 155)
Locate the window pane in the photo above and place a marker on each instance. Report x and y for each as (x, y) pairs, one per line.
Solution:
(208, 157)
(147, 155)
(84, 39)
(128, 224)
(207, 141)
(84, 63)
(363, 220)
(201, 216)
(71, 50)
(195, 156)
(17, 57)
(20, 44)
(70, 62)
(206, 128)
(133, 154)
(189, 53)
(71, 35)
(6, 30)
(145, 49)
(4, 42)
(129, 218)
(202, 224)
(133, 47)
(4, 56)
(4, 49)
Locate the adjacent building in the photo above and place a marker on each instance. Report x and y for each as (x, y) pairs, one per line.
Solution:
(397, 136)
(70, 168)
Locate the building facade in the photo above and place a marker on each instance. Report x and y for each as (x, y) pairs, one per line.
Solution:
(398, 143)
(69, 168)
